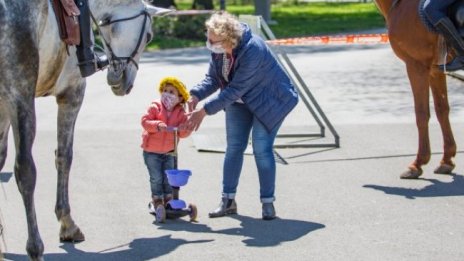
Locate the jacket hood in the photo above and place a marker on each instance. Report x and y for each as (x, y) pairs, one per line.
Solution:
(246, 36)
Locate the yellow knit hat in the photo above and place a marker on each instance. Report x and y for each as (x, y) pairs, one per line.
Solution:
(177, 84)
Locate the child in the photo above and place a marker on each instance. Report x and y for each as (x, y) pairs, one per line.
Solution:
(157, 142)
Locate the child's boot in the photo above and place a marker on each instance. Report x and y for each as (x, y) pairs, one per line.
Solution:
(160, 211)
(167, 198)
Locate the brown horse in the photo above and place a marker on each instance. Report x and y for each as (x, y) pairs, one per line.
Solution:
(419, 48)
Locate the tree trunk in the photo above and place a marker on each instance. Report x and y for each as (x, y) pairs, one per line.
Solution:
(164, 3)
(203, 4)
(263, 8)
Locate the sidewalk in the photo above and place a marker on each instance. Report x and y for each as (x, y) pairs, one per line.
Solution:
(333, 204)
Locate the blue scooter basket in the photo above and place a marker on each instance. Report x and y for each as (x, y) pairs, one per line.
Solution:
(178, 177)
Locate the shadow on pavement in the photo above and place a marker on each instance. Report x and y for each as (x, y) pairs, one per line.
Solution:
(358, 158)
(5, 176)
(258, 233)
(139, 249)
(436, 189)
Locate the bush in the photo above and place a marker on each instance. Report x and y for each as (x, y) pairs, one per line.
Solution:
(183, 27)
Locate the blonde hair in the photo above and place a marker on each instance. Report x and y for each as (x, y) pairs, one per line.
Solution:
(225, 25)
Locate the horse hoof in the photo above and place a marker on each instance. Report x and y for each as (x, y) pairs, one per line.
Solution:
(444, 169)
(75, 237)
(411, 174)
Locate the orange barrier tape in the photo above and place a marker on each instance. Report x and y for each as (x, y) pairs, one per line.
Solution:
(335, 39)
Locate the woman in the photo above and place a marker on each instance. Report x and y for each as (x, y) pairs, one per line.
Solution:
(436, 11)
(256, 94)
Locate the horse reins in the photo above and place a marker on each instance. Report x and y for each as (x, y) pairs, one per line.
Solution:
(139, 42)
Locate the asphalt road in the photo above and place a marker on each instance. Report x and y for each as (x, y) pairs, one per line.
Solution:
(333, 204)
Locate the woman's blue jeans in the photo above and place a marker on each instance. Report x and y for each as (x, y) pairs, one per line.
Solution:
(436, 9)
(156, 164)
(240, 122)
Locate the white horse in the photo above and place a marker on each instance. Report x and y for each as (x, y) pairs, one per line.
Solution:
(34, 63)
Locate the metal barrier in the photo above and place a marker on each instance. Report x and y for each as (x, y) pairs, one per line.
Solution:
(259, 27)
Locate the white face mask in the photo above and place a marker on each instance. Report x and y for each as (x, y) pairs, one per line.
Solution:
(215, 48)
(169, 100)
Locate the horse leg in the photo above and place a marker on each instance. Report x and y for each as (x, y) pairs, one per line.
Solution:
(24, 127)
(69, 104)
(420, 90)
(440, 99)
(4, 128)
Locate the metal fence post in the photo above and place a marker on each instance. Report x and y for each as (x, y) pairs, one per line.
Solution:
(259, 27)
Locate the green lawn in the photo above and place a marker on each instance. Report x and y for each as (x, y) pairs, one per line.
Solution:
(299, 20)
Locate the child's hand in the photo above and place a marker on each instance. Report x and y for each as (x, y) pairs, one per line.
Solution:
(162, 126)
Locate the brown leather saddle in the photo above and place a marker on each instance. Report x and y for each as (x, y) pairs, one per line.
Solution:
(66, 13)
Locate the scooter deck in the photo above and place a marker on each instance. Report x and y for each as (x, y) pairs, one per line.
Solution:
(177, 213)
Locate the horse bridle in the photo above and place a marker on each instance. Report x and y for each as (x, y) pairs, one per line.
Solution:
(123, 60)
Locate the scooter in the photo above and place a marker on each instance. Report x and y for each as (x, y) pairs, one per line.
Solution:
(175, 208)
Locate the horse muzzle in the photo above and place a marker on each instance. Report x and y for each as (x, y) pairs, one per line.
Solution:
(120, 77)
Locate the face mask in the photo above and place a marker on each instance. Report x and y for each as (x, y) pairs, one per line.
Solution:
(216, 48)
(169, 100)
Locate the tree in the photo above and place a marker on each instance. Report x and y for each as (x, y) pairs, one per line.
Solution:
(164, 3)
(203, 4)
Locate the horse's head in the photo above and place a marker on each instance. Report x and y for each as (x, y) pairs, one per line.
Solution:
(125, 27)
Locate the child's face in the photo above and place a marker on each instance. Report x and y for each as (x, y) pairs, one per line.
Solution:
(168, 88)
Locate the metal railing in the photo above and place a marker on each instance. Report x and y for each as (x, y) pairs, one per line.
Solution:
(259, 26)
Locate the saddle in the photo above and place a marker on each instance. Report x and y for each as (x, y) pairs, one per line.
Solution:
(66, 13)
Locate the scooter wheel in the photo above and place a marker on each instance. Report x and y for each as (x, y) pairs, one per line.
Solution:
(160, 214)
(193, 212)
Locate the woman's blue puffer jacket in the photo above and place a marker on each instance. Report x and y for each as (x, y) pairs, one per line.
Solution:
(256, 77)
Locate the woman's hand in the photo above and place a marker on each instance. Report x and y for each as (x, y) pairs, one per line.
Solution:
(195, 118)
(192, 103)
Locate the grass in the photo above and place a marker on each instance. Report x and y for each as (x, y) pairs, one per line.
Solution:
(325, 18)
(306, 19)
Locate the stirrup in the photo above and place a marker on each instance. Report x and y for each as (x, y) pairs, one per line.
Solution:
(456, 64)
(90, 67)
(102, 62)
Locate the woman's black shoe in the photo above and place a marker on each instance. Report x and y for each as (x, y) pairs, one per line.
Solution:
(226, 207)
(268, 211)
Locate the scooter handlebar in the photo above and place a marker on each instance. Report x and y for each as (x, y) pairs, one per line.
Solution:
(170, 128)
